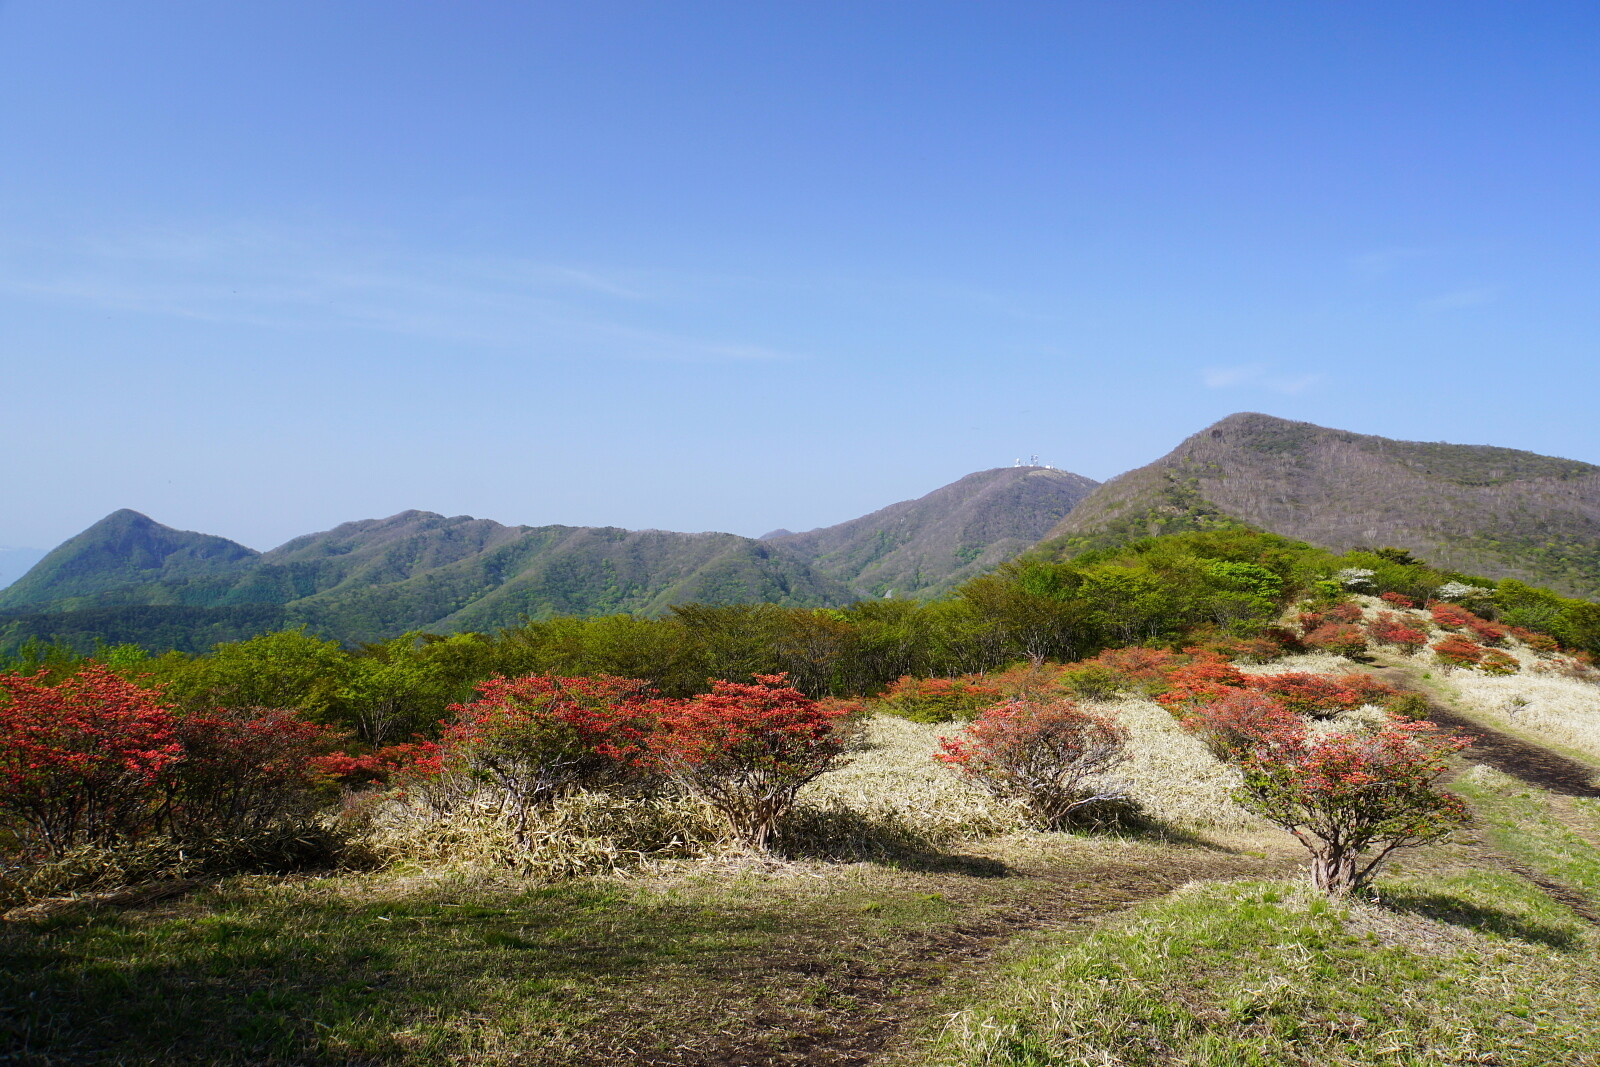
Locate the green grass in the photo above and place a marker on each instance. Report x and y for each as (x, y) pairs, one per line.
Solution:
(367, 969)
(1522, 822)
(1474, 967)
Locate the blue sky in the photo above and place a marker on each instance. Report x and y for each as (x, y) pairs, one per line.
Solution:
(270, 266)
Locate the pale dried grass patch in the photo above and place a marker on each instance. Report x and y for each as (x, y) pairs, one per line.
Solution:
(585, 833)
(1307, 662)
(893, 778)
(1564, 711)
(1172, 774)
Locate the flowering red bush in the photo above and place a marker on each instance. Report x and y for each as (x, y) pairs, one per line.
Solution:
(1459, 651)
(1310, 620)
(385, 765)
(747, 749)
(1452, 616)
(1352, 800)
(1539, 642)
(1346, 612)
(538, 737)
(1340, 638)
(80, 758)
(1200, 683)
(1495, 661)
(1321, 695)
(242, 770)
(1144, 667)
(1487, 633)
(939, 699)
(1399, 600)
(1389, 629)
(1261, 649)
(1241, 720)
(1049, 757)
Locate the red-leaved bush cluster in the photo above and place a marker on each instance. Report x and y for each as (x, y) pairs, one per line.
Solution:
(1340, 638)
(1352, 799)
(1399, 600)
(746, 749)
(1390, 629)
(1049, 757)
(94, 759)
(1459, 651)
(1348, 612)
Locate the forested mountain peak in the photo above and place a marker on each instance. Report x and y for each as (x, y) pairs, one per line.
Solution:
(1500, 512)
(933, 543)
(125, 548)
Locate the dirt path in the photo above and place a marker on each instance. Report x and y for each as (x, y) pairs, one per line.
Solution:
(1504, 752)
(875, 999)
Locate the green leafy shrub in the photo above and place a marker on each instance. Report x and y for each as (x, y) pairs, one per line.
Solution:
(933, 700)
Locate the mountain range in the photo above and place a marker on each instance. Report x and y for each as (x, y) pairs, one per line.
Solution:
(1478, 509)
(374, 578)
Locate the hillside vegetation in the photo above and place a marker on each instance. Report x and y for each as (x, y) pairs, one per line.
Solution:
(1476, 508)
(130, 579)
(566, 871)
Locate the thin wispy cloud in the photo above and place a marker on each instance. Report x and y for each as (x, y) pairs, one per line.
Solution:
(277, 279)
(1389, 260)
(1260, 376)
(1460, 298)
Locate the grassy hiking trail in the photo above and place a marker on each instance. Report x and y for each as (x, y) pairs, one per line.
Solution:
(769, 964)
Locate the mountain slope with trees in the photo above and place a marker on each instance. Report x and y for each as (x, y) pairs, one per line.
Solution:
(928, 546)
(129, 578)
(1479, 509)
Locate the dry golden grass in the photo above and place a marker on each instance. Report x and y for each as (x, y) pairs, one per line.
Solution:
(1562, 711)
(1172, 775)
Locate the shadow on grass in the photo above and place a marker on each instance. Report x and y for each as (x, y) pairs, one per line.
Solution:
(842, 835)
(260, 980)
(1443, 907)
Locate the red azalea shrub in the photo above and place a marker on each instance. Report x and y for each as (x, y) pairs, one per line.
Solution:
(243, 770)
(1352, 800)
(1368, 689)
(1399, 600)
(1539, 642)
(1240, 721)
(1144, 668)
(1340, 638)
(747, 749)
(385, 765)
(1495, 661)
(1200, 683)
(1487, 633)
(1310, 620)
(1459, 651)
(1346, 612)
(81, 759)
(1452, 616)
(1048, 757)
(539, 737)
(1263, 649)
(1318, 695)
(1389, 629)
(940, 699)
